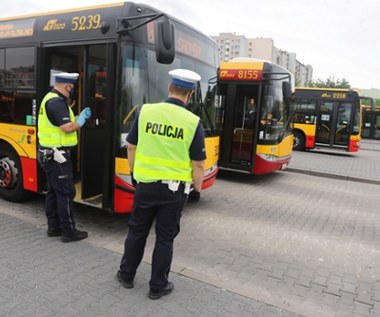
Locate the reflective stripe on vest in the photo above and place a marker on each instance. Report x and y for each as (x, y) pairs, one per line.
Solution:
(50, 135)
(165, 133)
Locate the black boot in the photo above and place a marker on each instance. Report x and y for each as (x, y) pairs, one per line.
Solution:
(156, 294)
(74, 235)
(54, 232)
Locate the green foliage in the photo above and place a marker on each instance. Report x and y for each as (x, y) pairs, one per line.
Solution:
(330, 82)
(373, 92)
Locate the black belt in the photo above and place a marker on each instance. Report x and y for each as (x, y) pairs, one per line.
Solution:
(161, 182)
(49, 151)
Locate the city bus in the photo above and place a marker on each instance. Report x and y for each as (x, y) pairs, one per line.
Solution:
(371, 120)
(252, 98)
(327, 118)
(123, 53)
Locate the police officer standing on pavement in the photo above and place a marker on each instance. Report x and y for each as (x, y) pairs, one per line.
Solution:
(166, 153)
(57, 136)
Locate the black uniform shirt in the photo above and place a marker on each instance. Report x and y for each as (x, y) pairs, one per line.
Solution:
(57, 110)
(197, 147)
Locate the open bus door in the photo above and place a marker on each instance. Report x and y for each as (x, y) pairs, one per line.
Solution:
(333, 122)
(91, 158)
(239, 134)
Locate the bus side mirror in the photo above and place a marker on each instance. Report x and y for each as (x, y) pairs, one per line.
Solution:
(164, 41)
(286, 90)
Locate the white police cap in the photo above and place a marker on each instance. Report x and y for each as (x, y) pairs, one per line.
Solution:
(184, 78)
(69, 78)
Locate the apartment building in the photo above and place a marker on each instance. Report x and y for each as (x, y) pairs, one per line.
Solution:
(232, 45)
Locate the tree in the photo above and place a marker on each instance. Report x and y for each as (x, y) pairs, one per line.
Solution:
(330, 83)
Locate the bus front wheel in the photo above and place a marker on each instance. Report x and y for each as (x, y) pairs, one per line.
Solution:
(11, 185)
(299, 141)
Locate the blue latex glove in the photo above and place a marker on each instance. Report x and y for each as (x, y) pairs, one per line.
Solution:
(87, 112)
(84, 115)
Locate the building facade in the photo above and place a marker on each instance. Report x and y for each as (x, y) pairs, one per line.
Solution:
(232, 45)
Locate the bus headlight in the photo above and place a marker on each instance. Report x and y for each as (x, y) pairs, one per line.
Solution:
(268, 157)
(211, 170)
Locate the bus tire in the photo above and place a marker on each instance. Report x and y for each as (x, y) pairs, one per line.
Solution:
(299, 141)
(11, 184)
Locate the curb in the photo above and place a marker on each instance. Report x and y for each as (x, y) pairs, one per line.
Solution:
(334, 176)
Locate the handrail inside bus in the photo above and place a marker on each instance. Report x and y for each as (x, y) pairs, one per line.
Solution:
(129, 114)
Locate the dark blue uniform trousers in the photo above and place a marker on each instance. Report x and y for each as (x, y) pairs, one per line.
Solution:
(153, 201)
(60, 195)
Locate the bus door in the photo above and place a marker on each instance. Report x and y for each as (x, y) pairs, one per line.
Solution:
(92, 158)
(97, 156)
(367, 124)
(371, 124)
(334, 123)
(240, 122)
(376, 125)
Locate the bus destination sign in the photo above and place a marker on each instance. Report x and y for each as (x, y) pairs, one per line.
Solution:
(78, 23)
(241, 74)
(20, 28)
(334, 95)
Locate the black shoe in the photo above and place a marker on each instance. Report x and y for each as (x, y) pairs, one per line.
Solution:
(54, 232)
(124, 282)
(156, 294)
(75, 235)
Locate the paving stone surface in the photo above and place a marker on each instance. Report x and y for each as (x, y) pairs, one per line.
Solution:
(303, 242)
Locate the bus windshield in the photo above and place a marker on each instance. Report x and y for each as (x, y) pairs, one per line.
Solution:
(274, 118)
(145, 81)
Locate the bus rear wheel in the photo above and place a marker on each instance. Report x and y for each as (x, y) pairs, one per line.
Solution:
(11, 185)
(299, 141)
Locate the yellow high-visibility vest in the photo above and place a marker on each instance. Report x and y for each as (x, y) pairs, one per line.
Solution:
(50, 135)
(165, 133)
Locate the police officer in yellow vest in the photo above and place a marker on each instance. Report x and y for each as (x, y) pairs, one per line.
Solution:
(57, 134)
(166, 153)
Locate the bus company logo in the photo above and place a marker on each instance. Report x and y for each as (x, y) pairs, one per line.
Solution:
(225, 74)
(326, 95)
(53, 25)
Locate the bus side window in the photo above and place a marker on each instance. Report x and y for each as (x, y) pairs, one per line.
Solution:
(22, 106)
(6, 106)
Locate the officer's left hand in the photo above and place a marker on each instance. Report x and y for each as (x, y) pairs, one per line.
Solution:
(194, 196)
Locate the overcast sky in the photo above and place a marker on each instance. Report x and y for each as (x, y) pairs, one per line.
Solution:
(338, 38)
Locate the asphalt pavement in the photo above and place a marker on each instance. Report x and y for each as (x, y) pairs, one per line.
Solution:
(213, 274)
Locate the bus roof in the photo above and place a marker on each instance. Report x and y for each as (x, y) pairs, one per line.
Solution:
(327, 89)
(326, 93)
(317, 89)
(55, 12)
(251, 69)
(83, 23)
(249, 63)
